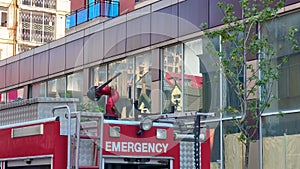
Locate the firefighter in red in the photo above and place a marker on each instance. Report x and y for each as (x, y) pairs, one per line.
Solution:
(113, 97)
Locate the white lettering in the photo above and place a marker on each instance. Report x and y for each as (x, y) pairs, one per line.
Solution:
(144, 147)
(108, 146)
(136, 147)
(115, 146)
(157, 148)
(130, 147)
(165, 146)
(151, 147)
(124, 147)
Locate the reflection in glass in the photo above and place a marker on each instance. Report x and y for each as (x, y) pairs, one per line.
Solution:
(201, 78)
(122, 84)
(172, 83)
(288, 86)
(233, 149)
(57, 87)
(3, 98)
(38, 90)
(98, 75)
(211, 145)
(281, 141)
(75, 85)
(193, 77)
(143, 82)
(15, 95)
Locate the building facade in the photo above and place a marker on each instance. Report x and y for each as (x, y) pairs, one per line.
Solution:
(26, 24)
(165, 67)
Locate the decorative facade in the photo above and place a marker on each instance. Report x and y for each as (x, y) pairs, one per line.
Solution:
(26, 24)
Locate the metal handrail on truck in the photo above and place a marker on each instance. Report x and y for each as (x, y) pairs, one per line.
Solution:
(69, 131)
(98, 117)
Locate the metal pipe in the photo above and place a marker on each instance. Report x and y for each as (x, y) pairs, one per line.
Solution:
(78, 119)
(69, 131)
(190, 137)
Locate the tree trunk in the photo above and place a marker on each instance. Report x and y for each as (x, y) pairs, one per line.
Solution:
(247, 152)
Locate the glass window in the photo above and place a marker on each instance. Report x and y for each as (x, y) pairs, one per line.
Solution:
(211, 144)
(143, 82)
(15, 95)
(37, 26)
(200, 78)
(38, 90)
(75, 85)
(281, 141)
(288, 86)
(3, 17)
(98, 75)
(40, 3)
(233, 149)
(57, 87)
(121, 84)
(172, 83)
(2, 98)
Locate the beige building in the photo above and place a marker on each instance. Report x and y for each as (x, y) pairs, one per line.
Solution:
(26, 24)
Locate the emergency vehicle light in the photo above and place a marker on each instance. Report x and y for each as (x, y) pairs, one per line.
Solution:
(114, 131)
(146, 124)
(161, 134)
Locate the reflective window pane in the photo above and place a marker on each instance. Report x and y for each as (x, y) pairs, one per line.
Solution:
(281, 141)
(287, 88)
(143, 82)
(15, 95)
(2, 98)
(75, 85)
(38, 90)
(98, 76)
(121, 84)
(201, 77)
(172, 83)
(57, 87)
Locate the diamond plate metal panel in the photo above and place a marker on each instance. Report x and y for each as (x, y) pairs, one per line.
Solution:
(186, 155)
(34, 109)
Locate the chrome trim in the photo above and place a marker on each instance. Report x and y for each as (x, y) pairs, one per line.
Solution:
(136, 123)
(26, 157)
(30, 122)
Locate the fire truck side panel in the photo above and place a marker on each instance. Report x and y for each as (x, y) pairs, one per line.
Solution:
(144, 145)
(48, 143)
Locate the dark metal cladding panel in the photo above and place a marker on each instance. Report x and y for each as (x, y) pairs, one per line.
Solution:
(41, 64)
(2, 77)
(114, 40)
(215, 13)
(191, 14)
(93, 47)
(74, 53)
(138, 33)
(164, 24)
(57, 59)
(26, 69)
(12, 75)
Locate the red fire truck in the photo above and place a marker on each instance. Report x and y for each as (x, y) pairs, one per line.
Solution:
(92, 142)
(88, 140)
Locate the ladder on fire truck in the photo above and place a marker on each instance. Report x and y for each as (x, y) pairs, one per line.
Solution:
(85, 143)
